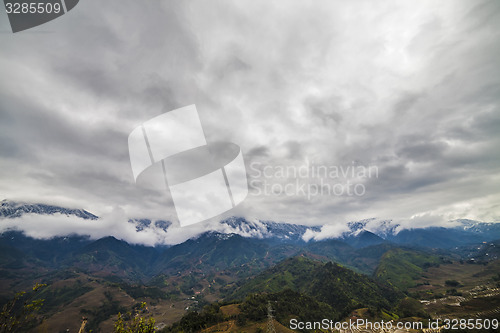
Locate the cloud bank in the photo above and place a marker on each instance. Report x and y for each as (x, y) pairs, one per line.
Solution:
(412, 88)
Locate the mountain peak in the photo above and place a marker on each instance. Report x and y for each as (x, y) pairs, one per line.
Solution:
(381, 228)
(266, 229)
(13, 209)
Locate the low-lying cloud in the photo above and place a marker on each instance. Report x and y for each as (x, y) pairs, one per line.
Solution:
(117, 224)
(326, 232)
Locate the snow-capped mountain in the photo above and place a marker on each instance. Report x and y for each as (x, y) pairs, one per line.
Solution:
(266, 229)
(477, 227)
(142, 224)
(12, 209)
(357, 233)
(381, 228)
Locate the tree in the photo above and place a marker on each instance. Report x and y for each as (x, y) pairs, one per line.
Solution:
(410, 307)
(15, 316)
(452, 283)
(137, 325)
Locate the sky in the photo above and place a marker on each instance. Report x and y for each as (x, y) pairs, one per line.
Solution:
(343, 110)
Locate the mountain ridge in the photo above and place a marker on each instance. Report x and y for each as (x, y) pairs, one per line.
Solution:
(360, 234)
(12, 209)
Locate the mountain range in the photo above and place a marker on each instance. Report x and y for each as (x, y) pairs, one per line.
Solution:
(358, 234)
(12, 209)
(370, 263)
(243, 246)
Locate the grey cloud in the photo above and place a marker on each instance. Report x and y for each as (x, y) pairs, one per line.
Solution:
(411, 88)
(260, 151)
(405, 102)
(423, 151)
(295, 150)
(326, 110)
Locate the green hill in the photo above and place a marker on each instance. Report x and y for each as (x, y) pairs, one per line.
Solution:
(285, 305)
(337, 286)
(300, 288)
(400, 268)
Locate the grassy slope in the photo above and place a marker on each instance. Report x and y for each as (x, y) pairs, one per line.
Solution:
(401, 268)
(330, 283)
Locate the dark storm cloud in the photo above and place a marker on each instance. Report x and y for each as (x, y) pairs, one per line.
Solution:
(68, 118)
(422, 151)
(411, 88)
(260, 151)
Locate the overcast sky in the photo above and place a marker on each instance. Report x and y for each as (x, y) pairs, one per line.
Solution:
(411, 88)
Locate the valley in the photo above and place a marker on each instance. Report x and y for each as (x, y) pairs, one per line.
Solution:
(225, 281)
